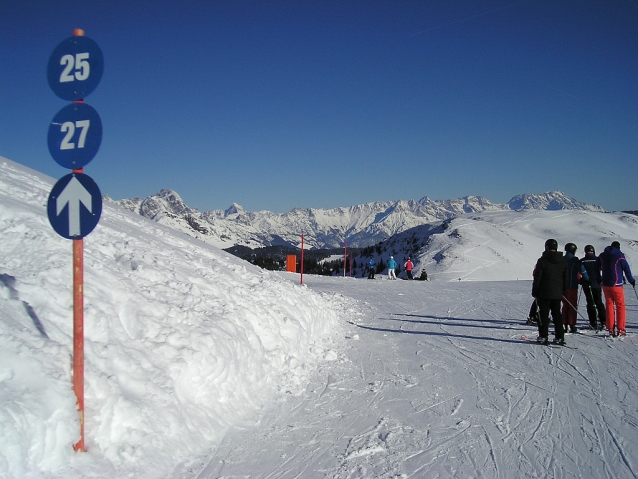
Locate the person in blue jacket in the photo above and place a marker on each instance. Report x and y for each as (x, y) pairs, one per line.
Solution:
(575, 272)
(371, 267)
(592, 289)
(614, 266)
(392, 265)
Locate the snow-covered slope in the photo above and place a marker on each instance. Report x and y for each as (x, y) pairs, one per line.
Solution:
(182, 340)
(505, 245)
(200, 366)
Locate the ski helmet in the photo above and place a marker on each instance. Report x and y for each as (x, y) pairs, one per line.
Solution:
(616, 244)
(551, 245)
(590, 249)
(571, 248)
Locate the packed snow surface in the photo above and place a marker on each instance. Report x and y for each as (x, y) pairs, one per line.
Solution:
(199, 365)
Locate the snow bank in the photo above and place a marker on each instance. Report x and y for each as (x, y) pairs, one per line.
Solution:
(182, 341)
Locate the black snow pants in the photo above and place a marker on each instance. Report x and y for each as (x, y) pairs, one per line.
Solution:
(595, 306)
(545, 306)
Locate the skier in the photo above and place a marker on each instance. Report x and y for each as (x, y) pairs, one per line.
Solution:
(424, 275)
(592, 289)
(575, 271)
(391, 267)
(550, 280)
(614, 265)
(532, 318)
(371, 267)
(408, 268)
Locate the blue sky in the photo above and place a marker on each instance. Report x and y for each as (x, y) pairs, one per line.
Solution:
(276, 105)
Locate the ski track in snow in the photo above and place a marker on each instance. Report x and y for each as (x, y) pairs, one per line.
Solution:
(455, 393)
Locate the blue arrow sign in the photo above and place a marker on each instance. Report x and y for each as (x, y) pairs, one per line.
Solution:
(74, 206)
(75, 135)
(75, 68)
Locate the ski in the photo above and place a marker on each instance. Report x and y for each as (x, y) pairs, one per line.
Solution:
(551, 345)
(533, 341)
(609, 337)
(525, 338)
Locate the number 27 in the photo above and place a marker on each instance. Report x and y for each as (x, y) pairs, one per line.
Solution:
(68, 127)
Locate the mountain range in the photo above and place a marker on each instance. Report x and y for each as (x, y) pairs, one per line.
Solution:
(359, 225)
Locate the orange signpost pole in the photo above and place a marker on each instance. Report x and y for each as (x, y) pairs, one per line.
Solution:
(301, 267)
(78, 333)
(78, 318)
(345, 256)
(74, 70)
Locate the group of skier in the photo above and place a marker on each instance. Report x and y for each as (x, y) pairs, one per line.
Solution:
(392, 266)
(555, 290)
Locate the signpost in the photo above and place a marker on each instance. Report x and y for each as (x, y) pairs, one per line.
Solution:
(75, 135)
(74, 206)
(75, 67)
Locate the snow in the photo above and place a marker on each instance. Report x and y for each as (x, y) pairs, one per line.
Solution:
(182, 341)
(504, 245)
(199, 365)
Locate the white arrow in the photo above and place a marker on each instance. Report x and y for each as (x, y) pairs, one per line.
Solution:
(73, 194)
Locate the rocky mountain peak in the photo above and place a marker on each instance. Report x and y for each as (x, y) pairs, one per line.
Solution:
(359, 225)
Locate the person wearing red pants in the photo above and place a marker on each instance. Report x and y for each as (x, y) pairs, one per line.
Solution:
(614, 266)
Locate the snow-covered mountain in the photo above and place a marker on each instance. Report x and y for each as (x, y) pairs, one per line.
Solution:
(502, 244)
(360, 225)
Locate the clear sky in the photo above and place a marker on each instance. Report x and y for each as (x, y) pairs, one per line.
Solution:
(276, 105)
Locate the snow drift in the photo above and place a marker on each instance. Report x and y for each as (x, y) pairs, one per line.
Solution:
(182, 339)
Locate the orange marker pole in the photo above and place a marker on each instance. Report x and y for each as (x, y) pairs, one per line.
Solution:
(301, 267)
(78, 333)
(78, 317)
(345, 256)
(78, 330)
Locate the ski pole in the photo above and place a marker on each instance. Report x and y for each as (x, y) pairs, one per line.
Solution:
(575, 309)
(579, 293)
(634, 286)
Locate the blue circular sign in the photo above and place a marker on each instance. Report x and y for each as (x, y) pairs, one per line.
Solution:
(74, 206)
(75, 135)
(75, 68)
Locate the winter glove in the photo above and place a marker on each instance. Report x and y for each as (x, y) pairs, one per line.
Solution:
(633, 283)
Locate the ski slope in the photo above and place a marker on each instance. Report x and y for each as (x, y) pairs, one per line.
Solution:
(200, 365)
(435, 381)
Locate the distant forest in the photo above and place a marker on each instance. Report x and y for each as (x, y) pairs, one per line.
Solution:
(315, 260)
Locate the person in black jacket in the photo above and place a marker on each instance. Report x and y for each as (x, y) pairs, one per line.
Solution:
(575, 271)
(550, 281)
(592, 289)
(532, 318)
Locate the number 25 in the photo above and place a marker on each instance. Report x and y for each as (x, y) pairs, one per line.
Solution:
(79, 63)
